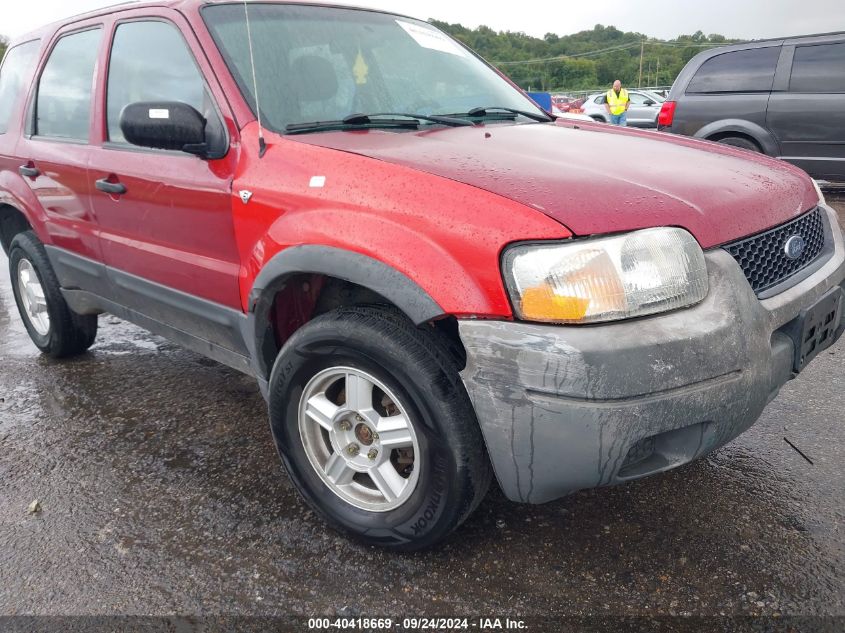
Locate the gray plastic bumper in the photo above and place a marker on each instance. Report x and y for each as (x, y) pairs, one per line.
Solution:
(565, 408)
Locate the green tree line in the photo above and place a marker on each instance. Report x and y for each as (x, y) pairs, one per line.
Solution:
(586, 63)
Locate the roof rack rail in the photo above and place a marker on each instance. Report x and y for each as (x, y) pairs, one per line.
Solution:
(786, 37)
(101, 9)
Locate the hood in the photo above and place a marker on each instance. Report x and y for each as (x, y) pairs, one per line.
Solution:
(594, 178)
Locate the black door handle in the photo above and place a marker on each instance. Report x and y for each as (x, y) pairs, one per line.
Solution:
(107, 186)
(29, 170)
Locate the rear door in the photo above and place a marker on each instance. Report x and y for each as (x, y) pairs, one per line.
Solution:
(55, 148)
(16, 75)
(807, 114)
(170, 232)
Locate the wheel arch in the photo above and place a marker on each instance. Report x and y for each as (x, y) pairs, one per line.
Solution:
(307, 262)
(19, 207)
(740, 127)
(12, 222)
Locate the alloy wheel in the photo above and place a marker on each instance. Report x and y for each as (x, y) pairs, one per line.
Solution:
(359, 439)
(33, 298)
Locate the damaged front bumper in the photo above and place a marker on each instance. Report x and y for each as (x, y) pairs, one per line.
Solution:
(564, 408)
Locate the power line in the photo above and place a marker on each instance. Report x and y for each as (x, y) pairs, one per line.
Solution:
(691, 45)
(612, 49)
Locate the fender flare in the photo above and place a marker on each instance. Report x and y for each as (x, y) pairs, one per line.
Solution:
(349, 266)
(757, 132)
(17, 195)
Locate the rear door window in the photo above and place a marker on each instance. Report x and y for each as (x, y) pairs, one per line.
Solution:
(15, 74)
(140, 72)
(818, 69)
(751, 70)
(63, 106)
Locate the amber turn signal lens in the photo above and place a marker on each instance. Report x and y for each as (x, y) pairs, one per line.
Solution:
(543, 304)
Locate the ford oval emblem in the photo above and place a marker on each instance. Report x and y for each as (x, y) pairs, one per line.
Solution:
(794, 247)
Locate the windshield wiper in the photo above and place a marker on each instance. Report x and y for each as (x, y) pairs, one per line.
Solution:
(434, 118)
(501, 112)
(373, 121)
(351, 123)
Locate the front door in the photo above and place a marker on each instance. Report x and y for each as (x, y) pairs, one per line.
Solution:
(165, 217)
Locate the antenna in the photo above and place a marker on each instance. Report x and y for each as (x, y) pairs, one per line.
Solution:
(262, 144)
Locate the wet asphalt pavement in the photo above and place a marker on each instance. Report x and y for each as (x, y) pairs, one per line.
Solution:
(161, 493)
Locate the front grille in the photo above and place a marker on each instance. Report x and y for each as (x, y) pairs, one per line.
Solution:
(763, 257)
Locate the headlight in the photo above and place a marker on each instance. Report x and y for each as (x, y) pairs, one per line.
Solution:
(606, 279)
(819, 191)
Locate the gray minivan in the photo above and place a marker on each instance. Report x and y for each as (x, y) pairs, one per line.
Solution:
(785, 98)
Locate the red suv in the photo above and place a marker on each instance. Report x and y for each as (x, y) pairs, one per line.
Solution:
(428, 280)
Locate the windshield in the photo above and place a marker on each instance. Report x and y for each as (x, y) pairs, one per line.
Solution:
(324, 63)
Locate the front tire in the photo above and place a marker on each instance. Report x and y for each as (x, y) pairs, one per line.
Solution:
(376, 429)
(54, 328)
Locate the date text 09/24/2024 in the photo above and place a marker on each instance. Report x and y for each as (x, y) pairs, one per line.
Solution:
(416, 624)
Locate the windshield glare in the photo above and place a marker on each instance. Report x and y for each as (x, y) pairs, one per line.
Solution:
(323, 64)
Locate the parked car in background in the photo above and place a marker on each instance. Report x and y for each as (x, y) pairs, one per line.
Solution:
(577, 105)
(549, 103)
(784, 98)
(432, 280)
(656, 96)
(643, 111)
(562, 102)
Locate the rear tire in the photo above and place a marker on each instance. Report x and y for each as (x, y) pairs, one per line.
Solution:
(738, 141)
(325, 435)
(54, 328)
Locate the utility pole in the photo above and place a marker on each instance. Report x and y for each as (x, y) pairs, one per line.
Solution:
(642, 50)
(657, 74)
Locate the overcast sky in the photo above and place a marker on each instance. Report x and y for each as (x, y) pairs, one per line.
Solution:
(659, 18)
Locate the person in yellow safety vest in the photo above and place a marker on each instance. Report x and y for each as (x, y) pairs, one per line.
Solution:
(617, 103)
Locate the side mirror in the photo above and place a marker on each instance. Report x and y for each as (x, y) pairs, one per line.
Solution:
(169, 125)
(648, 102)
